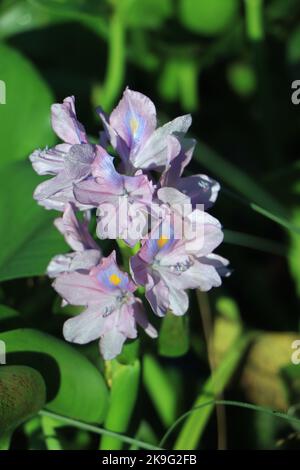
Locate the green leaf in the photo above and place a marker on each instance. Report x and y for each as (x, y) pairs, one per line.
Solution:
(17, 17)
(294, 252)
(124, 389)
(173, 340)
(25, 118)
(26, 230)
(100, 431)
(256, 197)
(75, 388)
(160, 389)
(195, 424)
(237, 404)
(22, 394)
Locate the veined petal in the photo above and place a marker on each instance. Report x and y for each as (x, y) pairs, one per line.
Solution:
(134, 119)
(75, 261)
(78, 161)
(85, 327)
(115, 140)
(65, 123)
(154, 153)
(110, 278)
(80, 289)
(157, 294)
(52, 186)
(200, 188)
(49, 161)
(142, 320)
(111, 344)
(76, 233)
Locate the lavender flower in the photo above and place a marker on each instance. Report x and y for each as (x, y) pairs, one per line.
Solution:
(69, 162)
(178, 255)
(131, 130)
(86, 253)
(112, 311)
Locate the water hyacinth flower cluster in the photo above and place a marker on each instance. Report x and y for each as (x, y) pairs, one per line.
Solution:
(132, 179)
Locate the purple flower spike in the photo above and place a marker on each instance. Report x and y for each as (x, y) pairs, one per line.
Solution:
(131, 129)
(68, 162)
(112, 311)
(86, 252)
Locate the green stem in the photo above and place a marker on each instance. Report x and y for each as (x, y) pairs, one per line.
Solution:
(254, 19)
(5, 441)
(194, 426)
(49, 426)
(108, 92)
(96, 430)
(237, 404)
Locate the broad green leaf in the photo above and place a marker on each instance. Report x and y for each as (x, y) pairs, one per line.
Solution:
(208, 17)
(194, 426)
(173, 340)
(25, 118)
(124, 379)
(26, 230)
(75, 388)
(256, 197)
(22, 394)
(160, 389)
(256, 243)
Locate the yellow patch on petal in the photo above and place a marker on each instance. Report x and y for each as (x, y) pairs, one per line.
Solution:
(162, 241)
(114, 279)
(134, 125)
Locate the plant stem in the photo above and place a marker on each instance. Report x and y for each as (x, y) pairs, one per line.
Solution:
(254, 19)
(108, 92)
(194, 426)
(97, 430)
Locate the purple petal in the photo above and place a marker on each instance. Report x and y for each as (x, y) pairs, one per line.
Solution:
(49, 161)
(76, 233)
(85, 327)
(78, 161)
(141, 318)
(157, 294)
(75, 261)
(200, 188)
(134, 119)
(80, 289)
(154, 153)
(65, 123)
(111, 344)
(110, 278)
